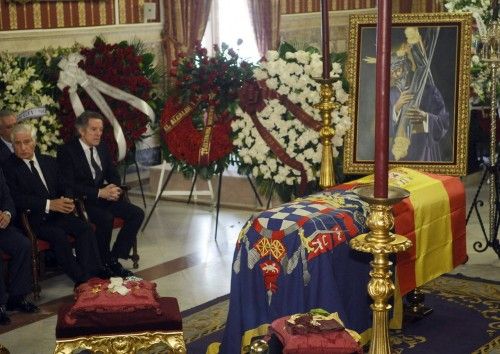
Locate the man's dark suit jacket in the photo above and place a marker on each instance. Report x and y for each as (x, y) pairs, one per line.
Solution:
(18, 247)
(77, 173)
(29, 192)
(6, 201)
(4, 152)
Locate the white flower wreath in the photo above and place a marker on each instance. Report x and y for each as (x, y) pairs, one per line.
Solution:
(22, 90)
(480, 72)
(292, 76)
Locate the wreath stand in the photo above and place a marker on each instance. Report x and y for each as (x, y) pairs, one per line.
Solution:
(192, 192)
(490, 55)
(125, 166)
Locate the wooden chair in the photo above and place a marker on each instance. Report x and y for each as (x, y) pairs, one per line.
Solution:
(38, 247)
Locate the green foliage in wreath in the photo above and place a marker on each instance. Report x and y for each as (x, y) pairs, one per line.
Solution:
(211, 81)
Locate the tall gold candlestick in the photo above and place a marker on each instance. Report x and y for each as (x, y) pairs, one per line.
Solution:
(380, 242)
(326, 106)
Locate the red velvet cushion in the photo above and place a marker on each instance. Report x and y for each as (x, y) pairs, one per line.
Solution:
(94, 296)
(42, 245)
(117, 223)
(328, 342)
(94, 323)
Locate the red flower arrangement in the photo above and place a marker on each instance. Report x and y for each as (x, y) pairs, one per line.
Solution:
(120, 66)
(203, 83)
(185, 141)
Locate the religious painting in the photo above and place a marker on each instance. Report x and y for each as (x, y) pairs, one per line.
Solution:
(428, 96)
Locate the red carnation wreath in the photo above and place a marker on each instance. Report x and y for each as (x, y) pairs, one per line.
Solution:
(120, 66)
(185, 140)
(196, 120)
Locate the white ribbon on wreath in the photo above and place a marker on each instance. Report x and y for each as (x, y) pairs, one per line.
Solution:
(32, 113)
(71, 76)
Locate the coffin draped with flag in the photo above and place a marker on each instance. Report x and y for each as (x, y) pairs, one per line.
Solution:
(296, 257)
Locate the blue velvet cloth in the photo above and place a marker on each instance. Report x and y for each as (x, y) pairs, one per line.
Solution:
(295, 258)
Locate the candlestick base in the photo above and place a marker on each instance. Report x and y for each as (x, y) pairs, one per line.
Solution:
(380, 242)
(326, 106)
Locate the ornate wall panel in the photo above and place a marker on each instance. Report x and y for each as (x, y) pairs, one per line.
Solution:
(304, 29)
(301, 6)
(38, 14)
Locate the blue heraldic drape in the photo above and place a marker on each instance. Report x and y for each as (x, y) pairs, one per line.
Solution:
(294, 258)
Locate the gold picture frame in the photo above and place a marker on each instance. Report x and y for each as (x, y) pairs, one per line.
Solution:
(429, 95)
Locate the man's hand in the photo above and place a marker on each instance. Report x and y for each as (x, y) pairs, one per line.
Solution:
(110, 192)
(4, 219)
(416, 116)
(62, 205)
(406, 96)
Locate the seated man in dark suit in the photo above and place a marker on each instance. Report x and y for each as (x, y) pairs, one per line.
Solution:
(88, 167)
(7, 121)
(36, 184)
(18, 247)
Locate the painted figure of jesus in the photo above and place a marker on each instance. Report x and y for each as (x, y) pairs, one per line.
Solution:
(419, 118)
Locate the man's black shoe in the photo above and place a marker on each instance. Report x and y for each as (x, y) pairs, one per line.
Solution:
(105, 272)
(22, 305)
(119, 271)
(4, 318)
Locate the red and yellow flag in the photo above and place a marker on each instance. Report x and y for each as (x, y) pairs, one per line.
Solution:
(433, 218)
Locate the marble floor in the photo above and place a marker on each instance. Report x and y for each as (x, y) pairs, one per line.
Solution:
(178, 252)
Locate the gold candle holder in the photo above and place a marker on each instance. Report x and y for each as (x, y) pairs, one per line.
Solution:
(326, 106)
(380, 242)
(259, 346)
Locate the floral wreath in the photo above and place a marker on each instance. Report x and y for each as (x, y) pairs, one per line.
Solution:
(196, 120)
(277, 130)
(24, 90)
(186, 142)
(480, 83)
(120, 65)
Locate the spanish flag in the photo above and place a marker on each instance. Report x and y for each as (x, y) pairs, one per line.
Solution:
(433, 218)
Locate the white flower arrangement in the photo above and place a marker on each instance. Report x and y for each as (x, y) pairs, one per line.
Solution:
(291, 75)
(22, 90)
(479, 8)
(480, 72)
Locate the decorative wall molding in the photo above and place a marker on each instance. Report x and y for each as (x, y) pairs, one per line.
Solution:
(398, 6)
(302, 30)
(29, 41)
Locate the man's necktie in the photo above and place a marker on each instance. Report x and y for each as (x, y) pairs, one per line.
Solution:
(97, 169)
(36, 174)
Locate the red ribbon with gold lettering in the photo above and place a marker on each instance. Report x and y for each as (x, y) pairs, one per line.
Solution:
(187, 143)
(251, 97)
(178, 116)
(207, 136)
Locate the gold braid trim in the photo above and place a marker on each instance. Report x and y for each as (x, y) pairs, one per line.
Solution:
(123, 343)
(488, 347)
(400, 147)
